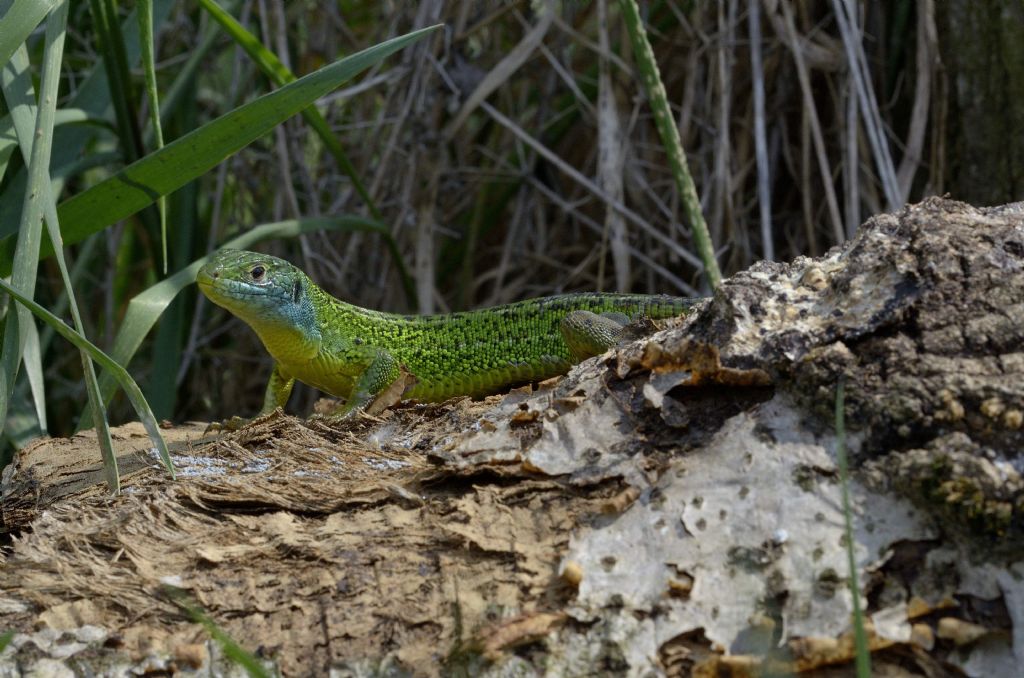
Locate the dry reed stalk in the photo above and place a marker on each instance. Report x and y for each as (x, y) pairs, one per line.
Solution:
(611, 161)
(927, 56)
(795, 44)
(764, 196)
(491, 152)
(866, 98)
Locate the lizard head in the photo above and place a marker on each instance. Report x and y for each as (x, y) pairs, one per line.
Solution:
(269, 294)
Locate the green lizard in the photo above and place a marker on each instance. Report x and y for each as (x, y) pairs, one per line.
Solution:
(356, 354)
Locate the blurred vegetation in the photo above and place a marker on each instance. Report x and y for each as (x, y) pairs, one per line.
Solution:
(511, 154)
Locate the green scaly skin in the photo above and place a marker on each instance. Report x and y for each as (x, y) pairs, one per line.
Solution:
(355, 353)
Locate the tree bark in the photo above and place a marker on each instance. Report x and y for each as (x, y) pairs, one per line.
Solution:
(983, 51)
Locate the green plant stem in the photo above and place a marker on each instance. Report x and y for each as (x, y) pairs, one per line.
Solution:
(26, 250)
(56, 25)
(161, 172)
(232, 650)
(279, 74)
(670, 140)
(145, 15)
(863, 656)
(19, 20)
(120, 374)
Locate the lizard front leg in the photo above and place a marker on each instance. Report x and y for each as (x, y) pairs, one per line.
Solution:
(279, 389)
(380, 371)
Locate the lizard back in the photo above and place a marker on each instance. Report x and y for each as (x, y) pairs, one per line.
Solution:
(479, 352)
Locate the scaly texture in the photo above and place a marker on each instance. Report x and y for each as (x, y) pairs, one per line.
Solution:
(355, 353)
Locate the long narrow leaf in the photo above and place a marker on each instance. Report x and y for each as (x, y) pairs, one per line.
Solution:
(279, 74)
(83, 262)
(184, 159)
(92, 96)
(145, 12)
(33, 359)
(20, 19)
(862, 653)
(19, 97)
(64, 116)
(115, 62)
(172, 333)
(110, 45)
(120, 374)
(670, 141)
(146, 307)
(30, 229)
(8, 142)
(37, 153)
(51, 79)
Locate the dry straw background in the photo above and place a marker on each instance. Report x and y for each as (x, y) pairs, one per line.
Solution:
(514, 154)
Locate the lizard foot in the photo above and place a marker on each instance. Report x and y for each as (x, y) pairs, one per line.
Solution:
(233, 424)
(237, 423)
(341, 416)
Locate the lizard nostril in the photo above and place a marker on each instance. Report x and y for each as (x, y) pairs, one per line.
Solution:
(216, 274)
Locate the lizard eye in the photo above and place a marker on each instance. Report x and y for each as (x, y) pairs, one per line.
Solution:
(257, 272)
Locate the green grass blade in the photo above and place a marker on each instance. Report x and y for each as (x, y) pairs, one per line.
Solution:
(185, 74)
(862, 654)
(9, 139)
(69, 152)
(18, 22)
(280, 76)
(50, 81)
(5, 639)
(8, 142)
(36, 143)
(171, 334)
(115, 62)
(145, 308)
(670, 141)
(83, 262)
(120, 374)
(232, 650)
(33, 359)
(184, 159)
(145, 13)
(23, 276)
(63, 116)
(110, 44)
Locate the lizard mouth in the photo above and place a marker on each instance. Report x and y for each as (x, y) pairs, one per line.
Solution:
(235, 295)
(216, 288)
(207, 276)
(209, 279)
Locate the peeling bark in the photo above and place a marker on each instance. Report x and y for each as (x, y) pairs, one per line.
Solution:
(670, 507)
